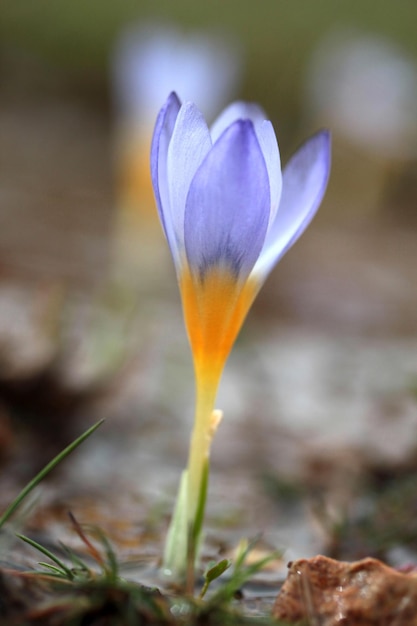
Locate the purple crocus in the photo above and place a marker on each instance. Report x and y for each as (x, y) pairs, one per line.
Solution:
(229, 215)
(221, 196)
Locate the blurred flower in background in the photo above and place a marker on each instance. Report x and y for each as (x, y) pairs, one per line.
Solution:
(149, 61)
(364, 87)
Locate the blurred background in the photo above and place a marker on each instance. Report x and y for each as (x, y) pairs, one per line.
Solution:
(320, 392)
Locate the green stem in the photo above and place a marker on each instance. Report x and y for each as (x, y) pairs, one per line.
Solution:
(199, 449)
(184, 533)
(198, 464)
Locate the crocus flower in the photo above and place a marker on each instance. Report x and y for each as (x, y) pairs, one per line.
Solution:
(229, 215)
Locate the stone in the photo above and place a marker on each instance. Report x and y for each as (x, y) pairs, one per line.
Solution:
(326, 592)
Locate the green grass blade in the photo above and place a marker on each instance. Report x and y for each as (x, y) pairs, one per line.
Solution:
(47, 553)
(52, 569)
(41, 475)
(112, 563)
(77, 562)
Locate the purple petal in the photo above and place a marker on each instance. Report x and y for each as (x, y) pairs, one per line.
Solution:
(190, 143)
(232, 113)
(269, 146)
(266, 137)
(227, 208)
(304, 183)
(164, 128)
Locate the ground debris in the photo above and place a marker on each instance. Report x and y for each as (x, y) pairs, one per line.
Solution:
(363, 593)
(17, 593)
(28, 599)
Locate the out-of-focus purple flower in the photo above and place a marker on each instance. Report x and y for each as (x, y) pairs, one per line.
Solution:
(151, 60)
(365, 87)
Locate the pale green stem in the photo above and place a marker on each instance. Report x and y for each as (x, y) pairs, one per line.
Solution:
(199, 447)
(184, 533)
(198, 460)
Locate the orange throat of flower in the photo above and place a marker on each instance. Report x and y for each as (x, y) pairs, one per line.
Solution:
(215, 307)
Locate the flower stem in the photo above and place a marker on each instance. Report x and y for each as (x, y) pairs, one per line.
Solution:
(198, 464)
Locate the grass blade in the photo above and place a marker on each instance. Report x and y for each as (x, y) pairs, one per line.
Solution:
(41, 475)
(48, 553)
(52, 568)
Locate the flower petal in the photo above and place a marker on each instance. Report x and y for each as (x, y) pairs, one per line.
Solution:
(190, 143)
(227, 207)
(232, 113)
(269, 146)
(304, 183)
(164, 128)
(266, 137)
